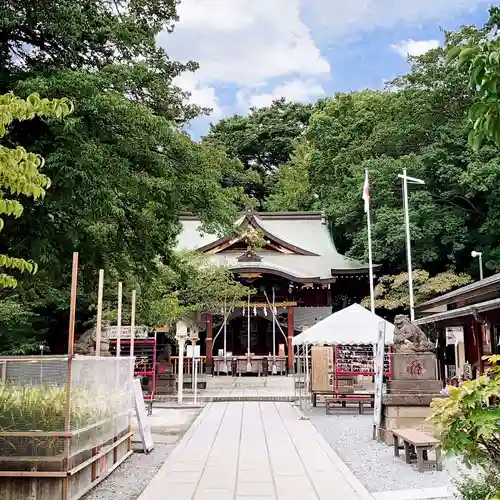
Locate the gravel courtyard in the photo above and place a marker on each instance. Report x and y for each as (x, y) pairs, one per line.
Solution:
(373, 463)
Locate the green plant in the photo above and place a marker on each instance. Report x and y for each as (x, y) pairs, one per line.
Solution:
(483, 487)
(468, 421)
(44, 409)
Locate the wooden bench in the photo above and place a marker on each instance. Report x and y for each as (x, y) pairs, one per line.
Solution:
(360, 399)
(417, 443)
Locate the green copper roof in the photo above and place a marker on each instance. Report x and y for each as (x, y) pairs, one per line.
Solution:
(307, 231)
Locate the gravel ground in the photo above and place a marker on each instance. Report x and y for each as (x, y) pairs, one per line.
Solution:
(373, 463)
(129, 480)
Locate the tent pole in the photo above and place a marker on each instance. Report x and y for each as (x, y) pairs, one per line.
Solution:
(294, 374)
(307, 375)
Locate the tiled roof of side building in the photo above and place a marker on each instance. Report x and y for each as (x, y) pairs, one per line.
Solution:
(477, 285)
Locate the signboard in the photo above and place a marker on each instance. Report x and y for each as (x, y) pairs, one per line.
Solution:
(192, 351)
(142, 419)
(323, 368)
(454, 335)
(140, 332)
(281, 350)
(379, 379)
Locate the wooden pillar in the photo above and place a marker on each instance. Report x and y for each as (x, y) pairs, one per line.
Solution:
(209, 342)
(290, 338)
(478, 334)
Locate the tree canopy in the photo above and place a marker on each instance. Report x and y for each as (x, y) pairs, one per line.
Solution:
(121, 168)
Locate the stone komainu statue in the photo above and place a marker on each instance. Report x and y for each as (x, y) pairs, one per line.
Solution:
(87, 342)
(409, 338)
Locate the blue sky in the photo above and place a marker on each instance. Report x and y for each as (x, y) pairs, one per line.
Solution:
(253, 51)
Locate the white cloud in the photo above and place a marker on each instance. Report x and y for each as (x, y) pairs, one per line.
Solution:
(204, 96)
(415, 48)
(293, 90)
(246, 44)
(337, 19)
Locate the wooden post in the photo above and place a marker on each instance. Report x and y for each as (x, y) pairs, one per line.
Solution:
(209, 341)
(290, 339)
(132, 324)
(98, 327)
(119, 320)
(71, 348)
(72, 305)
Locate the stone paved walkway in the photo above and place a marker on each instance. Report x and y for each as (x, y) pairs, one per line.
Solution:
(252, 450)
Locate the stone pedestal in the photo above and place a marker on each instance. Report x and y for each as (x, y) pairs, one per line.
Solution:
(165, 379)
(413, 386)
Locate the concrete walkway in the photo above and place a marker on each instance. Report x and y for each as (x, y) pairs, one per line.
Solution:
(252, 450)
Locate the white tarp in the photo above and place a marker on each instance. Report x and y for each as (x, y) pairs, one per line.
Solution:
(352, 325)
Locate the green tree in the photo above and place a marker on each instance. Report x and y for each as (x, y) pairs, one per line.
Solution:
(479, 58)
(392, 292)
(116, 37)
(20, 170)
(263, 140)
(420, 125)
(122, 170)
(185, 287)
(291, 190)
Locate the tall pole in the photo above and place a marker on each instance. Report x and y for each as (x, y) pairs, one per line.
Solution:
(249, 364)
(98, 327)
(132, 324)
(408, 245)
(274, 334)
(481, 276)
(180, 387)
(225, 336)
(366, 196)
(72, 304)
(119, 320)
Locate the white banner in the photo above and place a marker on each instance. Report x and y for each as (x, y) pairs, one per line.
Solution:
(192, 351)
(378, 360)
(454, 335)
(140, 332)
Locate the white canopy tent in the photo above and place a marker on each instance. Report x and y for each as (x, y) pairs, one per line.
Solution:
(352, 325)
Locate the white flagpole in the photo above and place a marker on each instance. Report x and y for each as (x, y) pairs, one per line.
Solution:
(366, 198)
(249, 364)
(412, 180)
(225, 336)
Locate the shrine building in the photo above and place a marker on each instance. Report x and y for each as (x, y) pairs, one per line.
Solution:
(297, 275)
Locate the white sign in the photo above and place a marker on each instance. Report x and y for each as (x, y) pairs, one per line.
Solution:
(192, 351)
(142, 419)
(140, 332)
(454, 335)
(378, 361)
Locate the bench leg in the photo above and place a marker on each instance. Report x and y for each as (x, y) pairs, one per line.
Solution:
(314, 400)
(396, 445)
(420, 459)
(407, 452)
(439, 461)
(361, 408)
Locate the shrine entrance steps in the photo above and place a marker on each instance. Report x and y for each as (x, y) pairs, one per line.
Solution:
(226, 389)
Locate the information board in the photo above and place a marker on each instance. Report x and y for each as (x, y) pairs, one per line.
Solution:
(142, 419)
